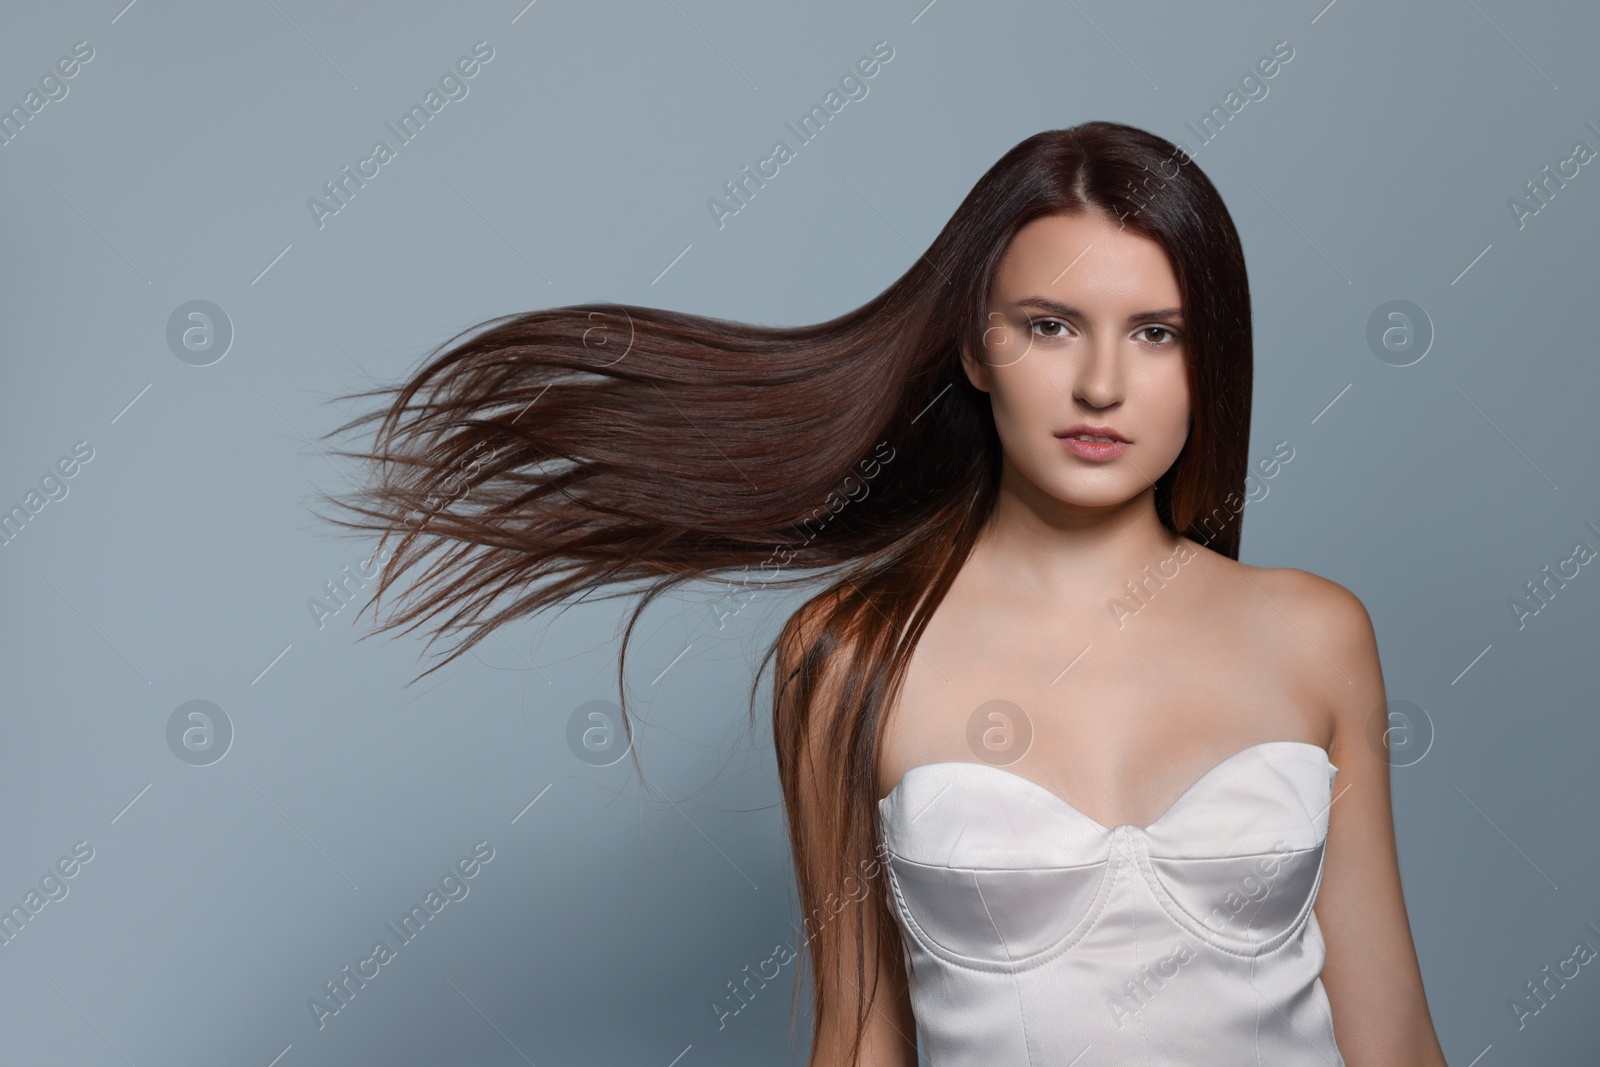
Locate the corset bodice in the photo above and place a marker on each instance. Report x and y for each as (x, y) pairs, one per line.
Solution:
(1039, 936)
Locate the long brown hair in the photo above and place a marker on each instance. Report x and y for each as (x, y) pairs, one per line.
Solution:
(579, 449)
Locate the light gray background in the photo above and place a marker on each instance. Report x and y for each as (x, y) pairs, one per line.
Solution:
(578, 167)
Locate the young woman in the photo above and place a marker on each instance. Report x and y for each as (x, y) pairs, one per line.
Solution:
(1066, 782)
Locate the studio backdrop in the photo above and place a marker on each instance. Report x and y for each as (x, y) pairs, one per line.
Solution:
(235, 829)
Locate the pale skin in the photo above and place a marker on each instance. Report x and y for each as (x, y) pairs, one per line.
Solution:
(1219, 658)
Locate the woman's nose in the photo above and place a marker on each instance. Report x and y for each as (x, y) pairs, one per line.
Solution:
(1098, 382)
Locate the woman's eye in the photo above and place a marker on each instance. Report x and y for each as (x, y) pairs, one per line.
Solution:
(1171, 335)
(1040, 323)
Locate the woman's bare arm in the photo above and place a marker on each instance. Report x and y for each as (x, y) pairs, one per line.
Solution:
(1371, 974)
(890, 1036)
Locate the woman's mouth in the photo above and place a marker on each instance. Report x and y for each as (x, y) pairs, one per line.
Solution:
(1093, 442)
(1100, 448)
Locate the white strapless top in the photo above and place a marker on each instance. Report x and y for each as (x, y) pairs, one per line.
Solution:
(1040, 937)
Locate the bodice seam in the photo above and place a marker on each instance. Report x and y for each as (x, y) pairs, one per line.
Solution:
(914, 929)
(1233, 946)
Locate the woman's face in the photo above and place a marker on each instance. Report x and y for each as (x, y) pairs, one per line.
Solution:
(1085, 334)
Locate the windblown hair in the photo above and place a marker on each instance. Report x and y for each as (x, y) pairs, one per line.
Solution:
(579, 449)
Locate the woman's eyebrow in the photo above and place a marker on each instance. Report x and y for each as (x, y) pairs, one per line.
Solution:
(1068, 311)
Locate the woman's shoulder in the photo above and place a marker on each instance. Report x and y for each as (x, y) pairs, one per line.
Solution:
(1318, 628)
(1319, 607)
(1305, 597)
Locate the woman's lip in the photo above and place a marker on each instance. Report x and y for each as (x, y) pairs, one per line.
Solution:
(1092, 431)
(1095, 450)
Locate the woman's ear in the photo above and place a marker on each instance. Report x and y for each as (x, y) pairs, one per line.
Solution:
(976, 370)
